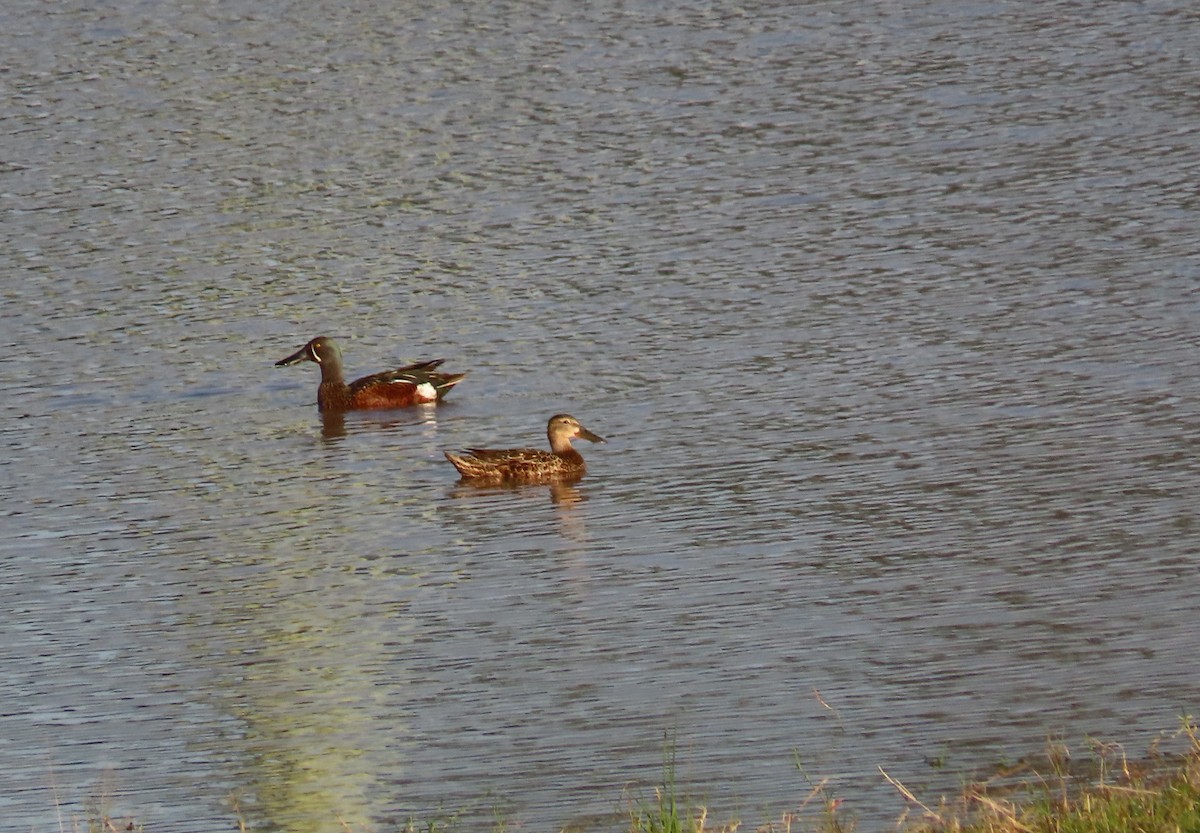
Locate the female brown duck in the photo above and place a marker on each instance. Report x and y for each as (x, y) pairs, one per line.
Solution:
(528, 465)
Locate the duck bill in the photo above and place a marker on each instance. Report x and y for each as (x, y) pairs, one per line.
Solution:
(300, 355)
(588, 435)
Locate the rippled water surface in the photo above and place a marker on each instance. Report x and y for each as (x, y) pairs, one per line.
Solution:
(888, 312)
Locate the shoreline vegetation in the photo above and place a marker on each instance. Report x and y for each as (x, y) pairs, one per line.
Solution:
(1104, 791)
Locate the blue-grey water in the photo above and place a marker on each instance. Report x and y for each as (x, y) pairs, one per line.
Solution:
(889, 312)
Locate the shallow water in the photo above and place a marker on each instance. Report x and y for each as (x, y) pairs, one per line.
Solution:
(888, 314)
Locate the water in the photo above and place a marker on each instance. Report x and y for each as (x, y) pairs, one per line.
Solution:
(887, 311)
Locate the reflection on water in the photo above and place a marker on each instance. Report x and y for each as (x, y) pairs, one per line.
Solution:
(337, 425)
(333, 425)
(512, 499)
(561, 492)
(304, 694)
(896, 307)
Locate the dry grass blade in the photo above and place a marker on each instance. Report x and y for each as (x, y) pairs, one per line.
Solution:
(836, 715)
(1003, 811)
(904, 791)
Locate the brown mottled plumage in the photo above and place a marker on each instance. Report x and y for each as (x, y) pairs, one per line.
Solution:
(413, 384)
(529, 465)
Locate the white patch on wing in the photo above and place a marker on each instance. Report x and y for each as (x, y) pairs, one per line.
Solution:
(426, 392)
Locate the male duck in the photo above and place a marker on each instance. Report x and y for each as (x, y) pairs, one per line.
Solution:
(528, 465)
(413, 384)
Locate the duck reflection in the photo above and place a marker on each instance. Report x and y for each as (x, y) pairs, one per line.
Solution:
(564, 493)
(567, 496)
(335, 425)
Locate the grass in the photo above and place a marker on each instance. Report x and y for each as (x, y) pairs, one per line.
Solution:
(98, 816)
(666, 815)
(1104, 792)
(818, 812)
(1108, 793)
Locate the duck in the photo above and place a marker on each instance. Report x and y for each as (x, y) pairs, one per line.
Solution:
(413, 384)
(528, 465)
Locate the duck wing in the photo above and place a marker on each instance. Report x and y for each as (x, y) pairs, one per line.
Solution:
(511, 464)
